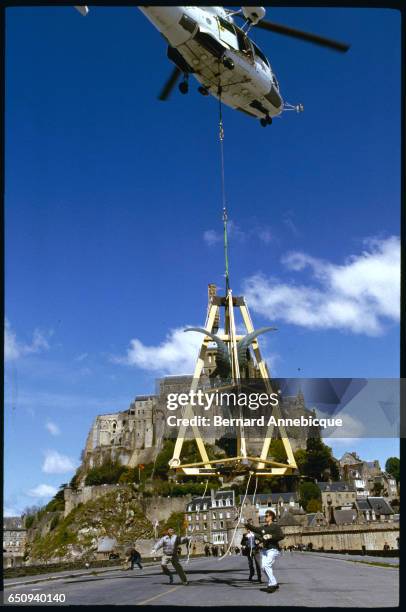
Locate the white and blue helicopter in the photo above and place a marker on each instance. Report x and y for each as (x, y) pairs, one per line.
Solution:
(207, 43)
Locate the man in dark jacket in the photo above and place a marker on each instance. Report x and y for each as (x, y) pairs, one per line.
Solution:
(270, 535)
(250, 549)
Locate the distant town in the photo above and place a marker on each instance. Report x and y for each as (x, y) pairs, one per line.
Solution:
(122, 494)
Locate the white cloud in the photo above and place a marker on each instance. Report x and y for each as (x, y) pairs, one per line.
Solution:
(55, 463)
(82, 357)
(14, 349)
(212, 237)
(177, 354)
(52, 428)
(265, 235)
(235, 233)
(359, 295)
(42, 490)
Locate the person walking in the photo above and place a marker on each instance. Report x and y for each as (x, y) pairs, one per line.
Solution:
(170, 544)
(270, 535)
(135, 559)
(250, 549)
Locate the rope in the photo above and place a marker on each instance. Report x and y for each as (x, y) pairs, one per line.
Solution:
(255, 490)
(223, 189)
(239, 518)
(189, 546)
(207, 483)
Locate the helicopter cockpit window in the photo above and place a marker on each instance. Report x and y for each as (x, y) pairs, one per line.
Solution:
(259, 54)
(243, 42)
(226, 25)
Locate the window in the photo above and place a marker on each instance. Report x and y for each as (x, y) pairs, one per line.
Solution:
(220, 503)
(221, 515)
(228, 515)
(190, 527)
(197, 507)
(214, 525)
(204, 517)
(226, 25)
(189, 518)
(244, 44)
(221, 525)
(228, 501)
(213, 514)
(258, 53)
(204, 506)
(205, 526)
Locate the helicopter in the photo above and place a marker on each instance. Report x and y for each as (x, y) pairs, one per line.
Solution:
(207, 43)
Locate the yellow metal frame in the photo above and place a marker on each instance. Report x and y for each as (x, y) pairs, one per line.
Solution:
(261, 465)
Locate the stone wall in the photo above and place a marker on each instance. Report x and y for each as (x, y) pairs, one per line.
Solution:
(73, 497)
(344, 537)
(157, 508)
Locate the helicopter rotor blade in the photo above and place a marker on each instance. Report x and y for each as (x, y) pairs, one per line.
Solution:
(170, 84)
(271, 26)
(83, 10)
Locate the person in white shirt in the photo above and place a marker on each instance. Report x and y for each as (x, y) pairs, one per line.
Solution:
(170, 544)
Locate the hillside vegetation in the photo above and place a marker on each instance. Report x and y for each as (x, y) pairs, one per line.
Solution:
(118, 515)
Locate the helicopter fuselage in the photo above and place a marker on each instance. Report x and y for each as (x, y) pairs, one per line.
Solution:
(205, 42)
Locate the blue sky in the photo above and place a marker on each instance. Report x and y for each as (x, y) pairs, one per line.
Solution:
(112, 219)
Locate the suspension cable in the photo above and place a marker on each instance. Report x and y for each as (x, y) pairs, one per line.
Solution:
(255, 490)
(239, 518)
(207, 484)
(223, 189)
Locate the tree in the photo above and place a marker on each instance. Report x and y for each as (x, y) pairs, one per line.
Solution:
(176, 521)
(107, 473)
(377, 489)
(301, 458)
(313, 505)
(319, 460)
(308, 491)
(392, 466)
(277, 451)
(162, 460)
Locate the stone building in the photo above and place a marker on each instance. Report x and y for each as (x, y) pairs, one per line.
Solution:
(135, 435)
(14, 541)
(336, 496)
(212, 518)
(280, 503)
(375, 509)
(367, 477)
(128, 437)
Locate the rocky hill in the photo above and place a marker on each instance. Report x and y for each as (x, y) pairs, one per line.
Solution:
(119, 515)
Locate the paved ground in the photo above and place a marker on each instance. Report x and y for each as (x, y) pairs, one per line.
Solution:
(363, 558)
(306, 579)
